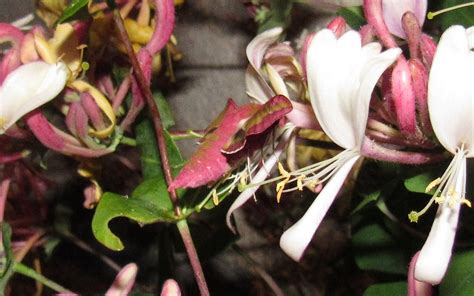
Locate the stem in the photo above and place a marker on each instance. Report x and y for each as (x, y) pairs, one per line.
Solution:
(155, 114)
(159, 132)
(193, 256)
(26, 271)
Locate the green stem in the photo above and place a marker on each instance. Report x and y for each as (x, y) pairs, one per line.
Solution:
(31, 273)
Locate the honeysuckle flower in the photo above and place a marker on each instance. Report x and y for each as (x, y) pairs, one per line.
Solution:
(27, 88)
(451, 107)
(341, 76)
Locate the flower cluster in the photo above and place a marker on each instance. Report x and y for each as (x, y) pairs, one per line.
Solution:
(423, 100)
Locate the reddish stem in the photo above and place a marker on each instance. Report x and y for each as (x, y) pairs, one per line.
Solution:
(159, 132)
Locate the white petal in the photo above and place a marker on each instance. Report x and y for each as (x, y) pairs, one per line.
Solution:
(451, 90)
(29, 87)
(296, 238)
(257, 87)
(259, 177)
(341, 78)
(330, 65)
(258, 46)
(371, 71)
(436, 252)
(393, 11)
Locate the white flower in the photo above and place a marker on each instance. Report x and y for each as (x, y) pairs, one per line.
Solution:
(28, 87)
(341, 77)
(451, 107)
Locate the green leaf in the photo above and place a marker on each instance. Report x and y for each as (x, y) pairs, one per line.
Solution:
(387, 289)
(167, 118)
(354, 16)
(150, 157)
(462, 16)
(376, 196)
(419, 183)
(139, 209)
(376, 250)
(459, 279)
(7, 263)
(76, 9)
(278, 16)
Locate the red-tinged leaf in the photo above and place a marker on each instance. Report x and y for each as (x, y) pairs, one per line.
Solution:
(269, 113)
(208, 163)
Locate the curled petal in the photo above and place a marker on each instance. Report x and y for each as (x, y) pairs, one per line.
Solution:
(259, 45)
(164, 25)
(393, 12)
(450, 90)
(29, 87)
(296, 238)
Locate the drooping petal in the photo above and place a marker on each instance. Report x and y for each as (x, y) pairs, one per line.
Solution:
(436, 252)
(393, 12)
(450, 90)
(341, 77)
(29, 87)
(259, 177)
(295, 239)
(258, 46)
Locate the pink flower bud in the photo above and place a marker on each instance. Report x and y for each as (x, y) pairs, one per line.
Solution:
(124, 281)
(403, 96)
(420, 86)
(367, 33)
(170, 288)
(428, 49)
(338, 26)
(413, 33)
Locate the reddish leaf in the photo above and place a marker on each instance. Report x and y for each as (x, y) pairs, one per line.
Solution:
(208, 163)
(269, 113)
(229, 133)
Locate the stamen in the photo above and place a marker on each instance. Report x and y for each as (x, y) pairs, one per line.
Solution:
(432, 184)
(431, 15)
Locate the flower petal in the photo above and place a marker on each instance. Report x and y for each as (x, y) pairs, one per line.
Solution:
(341, 78)
(436, 252)
(296, 238)
(450, 90)
(29, 87)
(330, 62)
(393, 12)
(258, 46)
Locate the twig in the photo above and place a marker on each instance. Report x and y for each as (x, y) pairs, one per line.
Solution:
(159, 132)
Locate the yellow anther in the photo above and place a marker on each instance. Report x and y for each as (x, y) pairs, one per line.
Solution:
(439, 200)
(282, 170)
(215, 197)
(432, 184)
(299, 182)
(467, 202)
(280, 186)
(84, 172)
